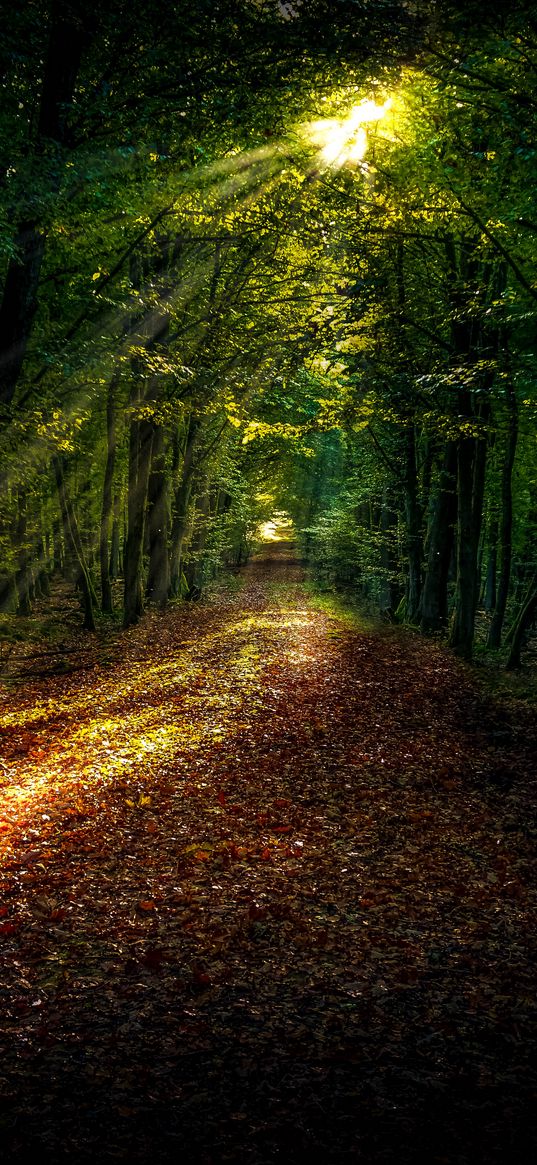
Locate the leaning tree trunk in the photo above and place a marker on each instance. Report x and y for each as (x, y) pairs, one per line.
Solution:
(523, 621)
(506, 524)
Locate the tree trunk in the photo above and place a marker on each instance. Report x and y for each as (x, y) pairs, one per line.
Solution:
(74, 545)
(413, 518)
(115, 541)
(42, 581)
(141, 433)
(23, 571)
(158, 578)
(389, 591)
(524, 620)
(506, 524)
(462, 268)
(19, 299)
(462, 631)
(194, 565)
(434, 605)
(19, 305)
(181, 504)
(57, 548)
(106, 507)
(471, 463)
(489, 597)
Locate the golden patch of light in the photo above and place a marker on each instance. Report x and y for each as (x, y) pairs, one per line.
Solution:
(123, 724)
(268, 622)
(277, 529)
(344, 141)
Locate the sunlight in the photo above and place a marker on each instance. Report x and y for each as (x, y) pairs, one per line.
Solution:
(344, 141)
(277, 529)
(119, 727)
(224, 189)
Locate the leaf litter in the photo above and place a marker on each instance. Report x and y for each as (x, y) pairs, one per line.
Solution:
(267, 894)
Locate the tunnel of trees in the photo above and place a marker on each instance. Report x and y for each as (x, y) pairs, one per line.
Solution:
(261, 257)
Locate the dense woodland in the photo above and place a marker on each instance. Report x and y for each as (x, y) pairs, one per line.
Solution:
(267, 860)
(261, 257)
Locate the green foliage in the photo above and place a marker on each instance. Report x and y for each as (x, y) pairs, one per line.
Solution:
(322, 331)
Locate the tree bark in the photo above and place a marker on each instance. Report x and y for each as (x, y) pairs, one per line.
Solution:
(194, 566)
(181, 504)
(42, 581)
(506, 524)
(57, 548)
(19, 305)
(107, 502)
(74, 544)
(140, 437)
(413, 519)
(158, 577)
(463, 275)
(434, 606)
(389, 591)
(471, 458)
(22, 574)
(524, 619)
(115, 541)
(19, 299)
(489, 597)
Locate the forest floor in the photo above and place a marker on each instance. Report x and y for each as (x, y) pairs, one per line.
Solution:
(267, 894)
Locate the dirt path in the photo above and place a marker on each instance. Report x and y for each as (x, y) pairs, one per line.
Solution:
(268, 894)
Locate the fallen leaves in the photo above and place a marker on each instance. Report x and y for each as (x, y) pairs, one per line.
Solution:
(234, 858)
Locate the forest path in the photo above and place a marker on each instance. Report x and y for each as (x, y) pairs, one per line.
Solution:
(268, 894)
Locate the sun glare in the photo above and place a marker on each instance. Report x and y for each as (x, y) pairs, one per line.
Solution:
(343, 141)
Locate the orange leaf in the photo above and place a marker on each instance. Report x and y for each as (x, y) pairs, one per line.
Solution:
(147, 905)
(8, 928)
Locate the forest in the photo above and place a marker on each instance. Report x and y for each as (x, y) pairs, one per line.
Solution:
(266, 270)
(268, 582)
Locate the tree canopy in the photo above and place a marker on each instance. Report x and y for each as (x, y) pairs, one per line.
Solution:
(261, 256)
